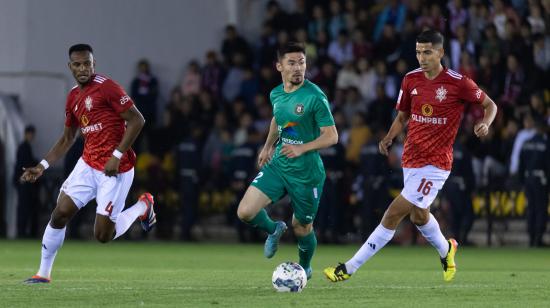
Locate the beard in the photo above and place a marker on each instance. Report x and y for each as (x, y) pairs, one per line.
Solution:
(296, 80)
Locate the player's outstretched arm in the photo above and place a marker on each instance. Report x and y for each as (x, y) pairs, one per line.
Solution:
(58, 150)
(328, 137)
(396, 128)
(267, 151)
(134, 123)
(481, 129)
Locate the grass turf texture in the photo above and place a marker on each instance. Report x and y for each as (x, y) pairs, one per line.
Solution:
(216, 275)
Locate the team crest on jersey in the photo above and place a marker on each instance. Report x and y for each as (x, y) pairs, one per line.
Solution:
(299, 109)
(88, 103)
(441, 94)
(427, 110)
(84, 120)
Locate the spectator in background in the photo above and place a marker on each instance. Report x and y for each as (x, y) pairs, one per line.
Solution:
(249, 86)
(458, 15)
(459, 190)
(144, 91)
(276, 16)
(526, 133)
(27, 193)
(386, 48)
(361, 47)
(374, 178)
(501, 13)
(322, 44)
(491, 45)
(318, 23)
(235, 75)
(541, 52)
(267, 45)
(382, 108)
(534, 171)
(359, 135)
(341, 49)
(336, 21)
(298, 18)
(460, 44)
(367, 80)
(268, 79)
(212, 74)
(191, 82)
(189, 162)
(234, 44)
(478, 16)
(513, 81)
(347, 77)
(535, 20)
(393, 14)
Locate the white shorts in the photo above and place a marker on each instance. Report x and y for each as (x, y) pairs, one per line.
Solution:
(86, 183)
(422, 184)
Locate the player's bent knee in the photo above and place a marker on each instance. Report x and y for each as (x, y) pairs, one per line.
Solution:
(244, 213)
(302, 230)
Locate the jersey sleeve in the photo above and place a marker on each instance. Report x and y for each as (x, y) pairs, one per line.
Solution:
(70, 119)
(116, 96)
(404, 98)
(323, 116)
(470, 92)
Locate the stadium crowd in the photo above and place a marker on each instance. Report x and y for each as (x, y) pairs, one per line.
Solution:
(200, 155)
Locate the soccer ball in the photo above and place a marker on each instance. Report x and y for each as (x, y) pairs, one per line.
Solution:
(289, 277)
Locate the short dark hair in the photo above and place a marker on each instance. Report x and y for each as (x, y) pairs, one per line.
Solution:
(30, 129)
(80, 47)
(430, 36)
(290, 47)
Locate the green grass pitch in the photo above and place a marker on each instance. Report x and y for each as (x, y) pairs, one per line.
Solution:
(155, 274)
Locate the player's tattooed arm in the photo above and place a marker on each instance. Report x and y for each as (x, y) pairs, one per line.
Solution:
(328, 137)
(481, 129)
(267, 151)
(134, 123)
(59, 149)
(396, 128)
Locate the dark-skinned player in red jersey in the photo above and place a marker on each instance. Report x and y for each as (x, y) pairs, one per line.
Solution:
(430, 104)
(110, 123)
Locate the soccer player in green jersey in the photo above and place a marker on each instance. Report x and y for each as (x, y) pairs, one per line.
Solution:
(289, 161)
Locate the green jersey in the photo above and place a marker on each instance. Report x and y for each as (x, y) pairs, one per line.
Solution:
(299, 115)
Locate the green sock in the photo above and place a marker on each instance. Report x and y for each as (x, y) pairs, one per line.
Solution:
(263, 222)
(306, 248)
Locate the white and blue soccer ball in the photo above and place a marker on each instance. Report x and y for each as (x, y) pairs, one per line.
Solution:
(289, 277)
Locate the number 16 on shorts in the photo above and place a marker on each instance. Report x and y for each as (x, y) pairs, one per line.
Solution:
(421, 185)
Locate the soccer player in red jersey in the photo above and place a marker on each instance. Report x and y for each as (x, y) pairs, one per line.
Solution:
(431, 100)
(109, 122)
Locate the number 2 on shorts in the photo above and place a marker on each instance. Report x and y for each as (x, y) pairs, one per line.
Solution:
(427, 187)
(257, 177)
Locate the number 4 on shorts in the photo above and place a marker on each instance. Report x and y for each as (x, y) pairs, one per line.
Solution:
(109, 208)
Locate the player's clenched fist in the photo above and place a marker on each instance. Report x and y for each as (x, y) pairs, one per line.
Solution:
(481, 129)
(30, 175)
(384, 145)
(265, 156)
(292, 150)
(111, 167)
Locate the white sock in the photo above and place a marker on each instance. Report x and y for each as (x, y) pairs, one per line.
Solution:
(433, 235)
(51, 242)
(128, 216)
(378, 239)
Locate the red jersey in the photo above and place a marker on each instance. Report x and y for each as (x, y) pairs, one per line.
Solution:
(435, 108)
(96, 110)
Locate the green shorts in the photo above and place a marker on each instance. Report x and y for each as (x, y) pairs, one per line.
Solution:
(304, 199)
